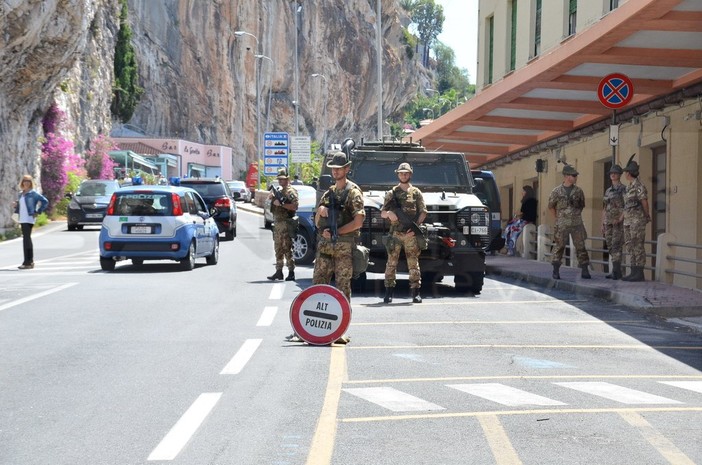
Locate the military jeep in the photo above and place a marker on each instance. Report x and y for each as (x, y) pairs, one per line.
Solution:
(458, 223)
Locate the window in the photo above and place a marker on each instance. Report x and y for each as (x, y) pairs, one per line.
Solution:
(513, 36)
(537, 29)
(613, 4)
(491, 45)
(572, 16)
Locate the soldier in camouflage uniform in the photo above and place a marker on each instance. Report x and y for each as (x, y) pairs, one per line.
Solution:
(334, 255)
(410, 200)
(612, 229)
(635, 216)
(566, 203)
(283, 228)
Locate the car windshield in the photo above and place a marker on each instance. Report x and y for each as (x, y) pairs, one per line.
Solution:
(143, 204)
(486, 190)
(96, 189)
(211, 189)
(237, 185)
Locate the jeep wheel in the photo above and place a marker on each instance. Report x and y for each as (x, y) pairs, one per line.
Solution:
(267, 224)
(470, 282)
(188, 263)
(302, 249)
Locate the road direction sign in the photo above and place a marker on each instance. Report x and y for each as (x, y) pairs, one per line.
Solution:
(615, 91)
(614, 135)
(275, 152)
(320, 314)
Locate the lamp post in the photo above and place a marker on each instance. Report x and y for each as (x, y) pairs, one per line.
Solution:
(324, 112)
(297, 70)
(258, 103)
(379, 65)
(270, 87)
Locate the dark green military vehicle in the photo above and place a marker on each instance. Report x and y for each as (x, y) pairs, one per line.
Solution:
(458, 223)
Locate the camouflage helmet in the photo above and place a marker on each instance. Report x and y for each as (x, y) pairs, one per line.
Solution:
(339, 160)
(404, 168)
(615, 169)
(282, 173)
(632, 167)
(569, 170)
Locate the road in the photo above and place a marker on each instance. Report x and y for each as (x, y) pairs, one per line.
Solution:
(157, 365)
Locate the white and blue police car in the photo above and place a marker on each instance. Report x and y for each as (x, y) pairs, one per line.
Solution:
(158, 223)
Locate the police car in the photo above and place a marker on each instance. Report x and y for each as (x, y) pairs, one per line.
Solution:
(158, 223)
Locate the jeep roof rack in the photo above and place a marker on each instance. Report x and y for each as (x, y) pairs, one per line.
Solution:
(390, 145)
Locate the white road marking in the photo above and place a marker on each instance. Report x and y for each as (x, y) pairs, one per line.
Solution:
(690, 385)
(277, 291)
(618, 393)
(241, 358)
(171, 445)
(392, 399)
(505, 395)
(267, 316)
(35, 296)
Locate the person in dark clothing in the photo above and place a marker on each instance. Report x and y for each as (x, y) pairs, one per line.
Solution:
(527, 214)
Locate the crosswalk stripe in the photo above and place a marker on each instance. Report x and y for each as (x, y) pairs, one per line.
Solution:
(617, 393)
(394, 400)
(690, 385)
(505, 395)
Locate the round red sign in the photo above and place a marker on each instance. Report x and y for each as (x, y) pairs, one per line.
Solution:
(320, 314)
(615, 91)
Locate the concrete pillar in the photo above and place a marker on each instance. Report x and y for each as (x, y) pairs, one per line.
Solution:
(543, 243)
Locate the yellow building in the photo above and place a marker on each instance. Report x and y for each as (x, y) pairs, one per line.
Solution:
(545, 93)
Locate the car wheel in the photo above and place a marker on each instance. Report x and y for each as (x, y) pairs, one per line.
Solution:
(229, 235)
(188, 263)
(107, 264)
(302, 249)
(214, 258)
(79, 227)
(71, 227)
(137, 261)
(472, 282)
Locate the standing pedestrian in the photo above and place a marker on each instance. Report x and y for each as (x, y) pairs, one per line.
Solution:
(403, 205)
(29, 204)
(635, 217)
(284, 204)
(566, 203)
(343, 201)
(612, 228)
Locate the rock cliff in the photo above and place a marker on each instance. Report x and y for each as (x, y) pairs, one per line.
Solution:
(199, 76)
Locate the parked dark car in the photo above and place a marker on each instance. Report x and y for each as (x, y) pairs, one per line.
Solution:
(486, 189)
(89, 203)
(216, 195)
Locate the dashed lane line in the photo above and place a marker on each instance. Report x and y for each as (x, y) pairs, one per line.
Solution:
(277, 291)
(267, 316)
(38, 295)
(174, 441)
(241, 358)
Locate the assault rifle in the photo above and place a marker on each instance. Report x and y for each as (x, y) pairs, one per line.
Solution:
(333, 210)
(406, 222)
(278, 194)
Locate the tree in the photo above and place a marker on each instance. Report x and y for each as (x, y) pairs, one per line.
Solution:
(429, 18)
(449, 76)
(98, 163)
(126, 92)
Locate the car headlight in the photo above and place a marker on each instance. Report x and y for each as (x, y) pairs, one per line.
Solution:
(74, 205)
(475, 218)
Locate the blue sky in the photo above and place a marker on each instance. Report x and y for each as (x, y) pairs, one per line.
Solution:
(460, 32)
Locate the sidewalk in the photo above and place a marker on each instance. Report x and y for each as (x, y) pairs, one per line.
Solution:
(676, 304)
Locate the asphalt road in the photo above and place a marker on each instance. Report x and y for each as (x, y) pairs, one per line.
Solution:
(157, 365)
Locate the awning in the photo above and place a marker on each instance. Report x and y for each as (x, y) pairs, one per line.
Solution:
(138, 159)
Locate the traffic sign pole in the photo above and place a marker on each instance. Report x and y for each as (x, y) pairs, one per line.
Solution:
(615, 91)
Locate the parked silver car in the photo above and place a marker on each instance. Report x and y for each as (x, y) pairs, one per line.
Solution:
(239, 190)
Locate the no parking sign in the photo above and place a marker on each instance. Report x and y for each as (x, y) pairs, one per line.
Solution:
(615, 90)
(320, 314)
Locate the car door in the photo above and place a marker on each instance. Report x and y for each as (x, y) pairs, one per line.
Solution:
(203, 241)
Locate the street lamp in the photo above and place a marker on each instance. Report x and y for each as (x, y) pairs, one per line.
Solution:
(270, 87)
(258, 102)
(297, 69)
(324, 113)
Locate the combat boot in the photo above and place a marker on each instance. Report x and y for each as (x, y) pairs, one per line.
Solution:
(291, 276)
(388, 294)
(636, 274)
(556, 274)
(416, 298)
(277, 275)
(616, 271)
(585, 273)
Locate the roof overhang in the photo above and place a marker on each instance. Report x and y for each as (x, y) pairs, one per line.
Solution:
(656, 43)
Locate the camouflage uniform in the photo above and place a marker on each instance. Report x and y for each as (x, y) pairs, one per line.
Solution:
(614, 232)
(282, 235)
(412, 203)
(635, 220)
(336, 258)
(569, 222)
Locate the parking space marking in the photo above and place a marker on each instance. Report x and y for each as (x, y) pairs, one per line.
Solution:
(505, 395)
(498, 322)
(530, 346)
(277, 291)
(690, 385)
(520, 377)
(267, 316)
(241, 358)
(500, 445)
(616, 393)
(35, 296)
(665, 447)
(174, 441)
(393, 399)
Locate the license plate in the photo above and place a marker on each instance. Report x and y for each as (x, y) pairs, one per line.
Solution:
(478, 230)
(140, 230)
(93, 215)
